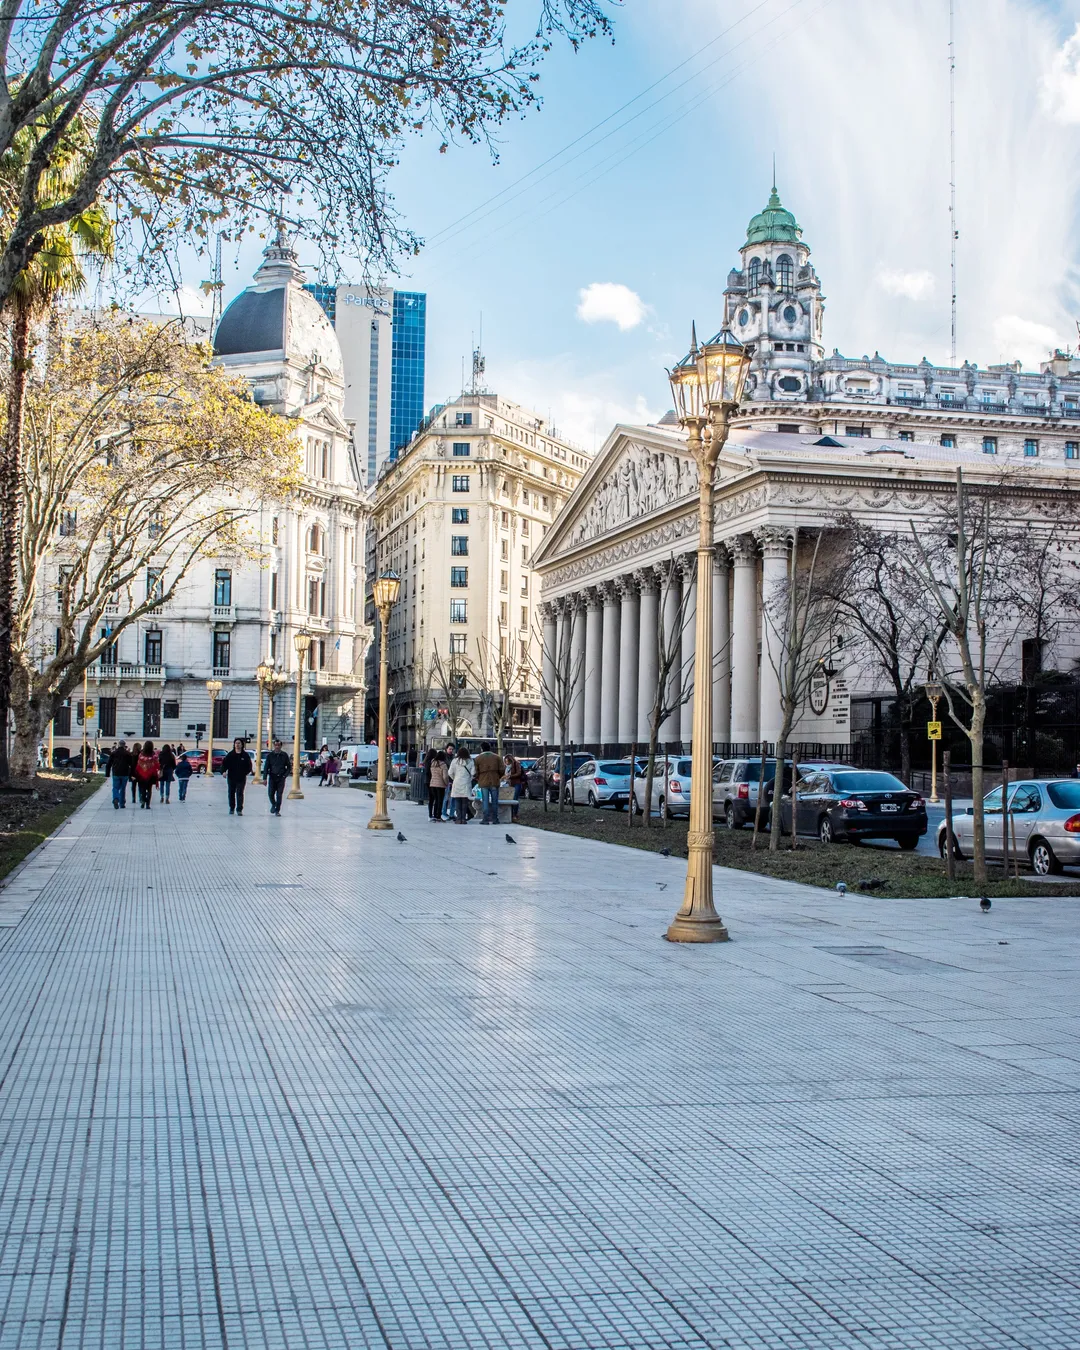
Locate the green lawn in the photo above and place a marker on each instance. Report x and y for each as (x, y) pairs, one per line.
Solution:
(26, 820)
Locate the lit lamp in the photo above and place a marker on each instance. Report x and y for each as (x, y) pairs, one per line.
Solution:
(385, 592)
(707, 385)
(302, 643)
(262, 674)
(213, 688)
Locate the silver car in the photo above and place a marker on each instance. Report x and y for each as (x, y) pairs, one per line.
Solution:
(603, 782)
(1044, 824)
(671, 784)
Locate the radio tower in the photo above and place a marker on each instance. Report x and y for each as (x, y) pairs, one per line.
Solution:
(953, 232)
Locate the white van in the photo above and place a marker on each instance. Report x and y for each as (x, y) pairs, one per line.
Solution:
(362, 757)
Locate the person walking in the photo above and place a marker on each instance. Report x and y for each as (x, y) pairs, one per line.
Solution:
(515, 776)
(278, 767)
(147, 770)
(167, 760)
(183, 773)
(333, 768)
(438, 779)
(461, 780)
(489, 770)
(448, 801)
(236, 766)
(321, 761)
(120, 767)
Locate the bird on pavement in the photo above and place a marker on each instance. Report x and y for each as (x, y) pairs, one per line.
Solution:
(984, 904)
(400, 837)
(510, 839)
(841, 887)
(665, 853)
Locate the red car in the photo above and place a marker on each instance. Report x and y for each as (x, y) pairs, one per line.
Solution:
(197, 759)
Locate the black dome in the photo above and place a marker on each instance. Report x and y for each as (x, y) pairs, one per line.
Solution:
(254, 322)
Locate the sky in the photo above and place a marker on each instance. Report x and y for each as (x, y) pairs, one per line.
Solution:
(616, 210)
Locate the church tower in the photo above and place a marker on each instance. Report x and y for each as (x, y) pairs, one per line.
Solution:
(775, 302)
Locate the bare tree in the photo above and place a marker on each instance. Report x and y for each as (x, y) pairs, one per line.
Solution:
(422, 679)
(449, 676)
(496, 673)
(561, 676)
(673, 688)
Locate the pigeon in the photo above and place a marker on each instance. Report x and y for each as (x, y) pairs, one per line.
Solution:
(984, 904)
(662, 885)
(871, 884)
(510, 839)
(841, 887)
(665, 853)
(400, 837)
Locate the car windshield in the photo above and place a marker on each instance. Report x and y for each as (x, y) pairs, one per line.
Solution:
(1066, 795)
(616, 770)
(867, 782)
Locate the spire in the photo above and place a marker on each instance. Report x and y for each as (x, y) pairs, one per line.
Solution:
(774, 225)
(280, 264)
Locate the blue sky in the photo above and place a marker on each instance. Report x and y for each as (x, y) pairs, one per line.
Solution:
(649, 210)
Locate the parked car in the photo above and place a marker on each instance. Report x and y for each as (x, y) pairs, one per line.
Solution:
(603, 782)
(197, 758)
(1044, 824)
(671, 784)
(546, 773)
(359, 761)
(398, 768)
(856, 804)
(735, 790)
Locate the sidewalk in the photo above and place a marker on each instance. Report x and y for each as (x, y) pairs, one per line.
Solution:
(288, 1083)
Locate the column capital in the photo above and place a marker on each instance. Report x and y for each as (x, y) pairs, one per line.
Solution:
(549, 610)
(609, 592)
(627, 586)
(721, 557)
(743, 550)
(646, 579)
(594, 596)
(775, 540)
(686, 565)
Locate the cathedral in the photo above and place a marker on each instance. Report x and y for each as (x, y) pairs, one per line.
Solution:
(817, 437)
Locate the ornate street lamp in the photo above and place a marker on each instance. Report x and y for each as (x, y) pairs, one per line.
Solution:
(213, 688)
(385, 592)
(275, 683)
(707, 385)
(262, 673)
(935, 693)
(302, 642)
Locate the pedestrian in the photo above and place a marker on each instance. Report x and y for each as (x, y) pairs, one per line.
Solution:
(448, 801)
(333, 768)
(147, 770)
(120, 766)
(321, 761)
(167, 760)
(183, 773)
(515, 776)
(489, 770)
(278, 768)
(461, 780)
(438, 779)
(236, 766)
(42, 756)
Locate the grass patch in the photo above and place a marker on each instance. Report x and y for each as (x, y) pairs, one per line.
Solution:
(27, 820)
(813, 863)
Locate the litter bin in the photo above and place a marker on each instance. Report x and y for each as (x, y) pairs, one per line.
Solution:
(416, 787)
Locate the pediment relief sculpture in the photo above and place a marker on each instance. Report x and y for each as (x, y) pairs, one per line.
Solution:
(643, 482)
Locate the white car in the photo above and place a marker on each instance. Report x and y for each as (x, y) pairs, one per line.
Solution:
(671, 783)
(601, 782)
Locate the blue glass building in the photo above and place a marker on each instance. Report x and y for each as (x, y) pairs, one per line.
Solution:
(409, 330)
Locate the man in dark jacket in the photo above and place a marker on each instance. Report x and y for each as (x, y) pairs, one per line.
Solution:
(278, 768)
(121, 764)
(236, 766)
(488, 769)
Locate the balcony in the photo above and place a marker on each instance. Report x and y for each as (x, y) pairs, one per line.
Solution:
(103, 672)
(223, 613)
(994, 407)
(332, 681)
(221, 672)
(909, 400)
(112, 608)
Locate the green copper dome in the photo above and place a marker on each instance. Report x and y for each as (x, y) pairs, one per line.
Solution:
(774, 225)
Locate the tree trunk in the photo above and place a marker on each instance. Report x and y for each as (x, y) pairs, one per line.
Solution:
(905, 750)
(562, 776)
(31, 719)
(975, 735)
(775, 828)
(11, 516)
(650, 772)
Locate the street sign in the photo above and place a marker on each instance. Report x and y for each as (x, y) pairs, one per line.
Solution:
(933, 731)
(89, 710)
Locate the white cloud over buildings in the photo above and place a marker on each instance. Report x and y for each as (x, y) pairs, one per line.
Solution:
(610, 302)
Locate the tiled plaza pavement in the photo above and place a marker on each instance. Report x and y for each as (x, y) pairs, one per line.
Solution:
(286, 1083)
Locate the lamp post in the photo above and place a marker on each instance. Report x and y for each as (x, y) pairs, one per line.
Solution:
(262, 674)
(934, 693)
(275, 683)
(302, 642)
(707, 385)
(385, 592)
(213, 688)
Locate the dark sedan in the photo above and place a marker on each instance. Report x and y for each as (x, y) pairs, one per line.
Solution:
(547, 773)
(857, 804)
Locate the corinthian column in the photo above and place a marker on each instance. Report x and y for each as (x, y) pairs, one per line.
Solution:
(744, 635)
(609, 666)
(628, 660)
(775, 544)
(575, 609)
(649, 661)
(688, 572)
(721, 672)
(670, 728)
(593, 659)
(547, 683)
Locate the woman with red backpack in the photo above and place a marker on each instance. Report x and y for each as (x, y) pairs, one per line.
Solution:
(147, 773)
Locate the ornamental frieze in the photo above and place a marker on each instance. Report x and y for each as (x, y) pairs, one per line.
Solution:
(662, 536)
(644, 481)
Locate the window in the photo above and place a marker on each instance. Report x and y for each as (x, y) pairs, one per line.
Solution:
(170, 710)
(273, 590)
(459, 545)
(459, 611)
(274, 530)
(790, 315)
(221, 718)
(151, 718)
(459, 576)
(457, 644)
(907, 436)
(462, 449)
(153, 584)
(459, 515)
(948, 442)
(62, 721)
(1031, 449)
(506, 520)
(789, 384)
(524, 555)
(504, 616)
(989, 445)
(524, 529)
(152, 647)
(313, 595)
(785, 276)
(856, 431)
(315, 539)
(524, 497)
(753, 274)
(222, 648)
(504, 550)
(107, 716)
(460, 482)
(108, 654)
(1072, 449)
(222, 587)
(789, 428)
(524, 616)
(504, 580)
(68, 522)
(463, 419)
(273, 646)
(155, 528)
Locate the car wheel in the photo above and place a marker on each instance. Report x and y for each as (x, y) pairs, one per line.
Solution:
(730, 819)
(660, 807)
(592, 799)
(955, 847)
(825, 833)
(636, 806)
(908, 842)
(1044, 862)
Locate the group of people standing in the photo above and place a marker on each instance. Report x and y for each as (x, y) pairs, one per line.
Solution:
(450, 776)
(145, 768)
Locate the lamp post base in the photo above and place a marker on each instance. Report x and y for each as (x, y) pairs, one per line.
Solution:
(380, 821)
(294, 795)
(708, 929)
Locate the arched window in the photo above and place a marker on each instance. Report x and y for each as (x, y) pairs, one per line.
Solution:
(753, 274)
(785, 272)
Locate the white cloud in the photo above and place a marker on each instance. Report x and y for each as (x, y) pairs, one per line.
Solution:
(185, 300)
(1060, 86)
(610, 302)
(584, 405)
(912, 285)
(1023, 339)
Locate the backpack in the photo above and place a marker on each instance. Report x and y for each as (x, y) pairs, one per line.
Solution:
(146, 768)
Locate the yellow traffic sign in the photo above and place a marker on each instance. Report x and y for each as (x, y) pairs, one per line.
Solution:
(89, 710)
(933, 731)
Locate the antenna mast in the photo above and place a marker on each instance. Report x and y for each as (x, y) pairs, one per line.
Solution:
(953, 232)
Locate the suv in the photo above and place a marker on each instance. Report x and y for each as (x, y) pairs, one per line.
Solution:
(546, 773)
(735, 790)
